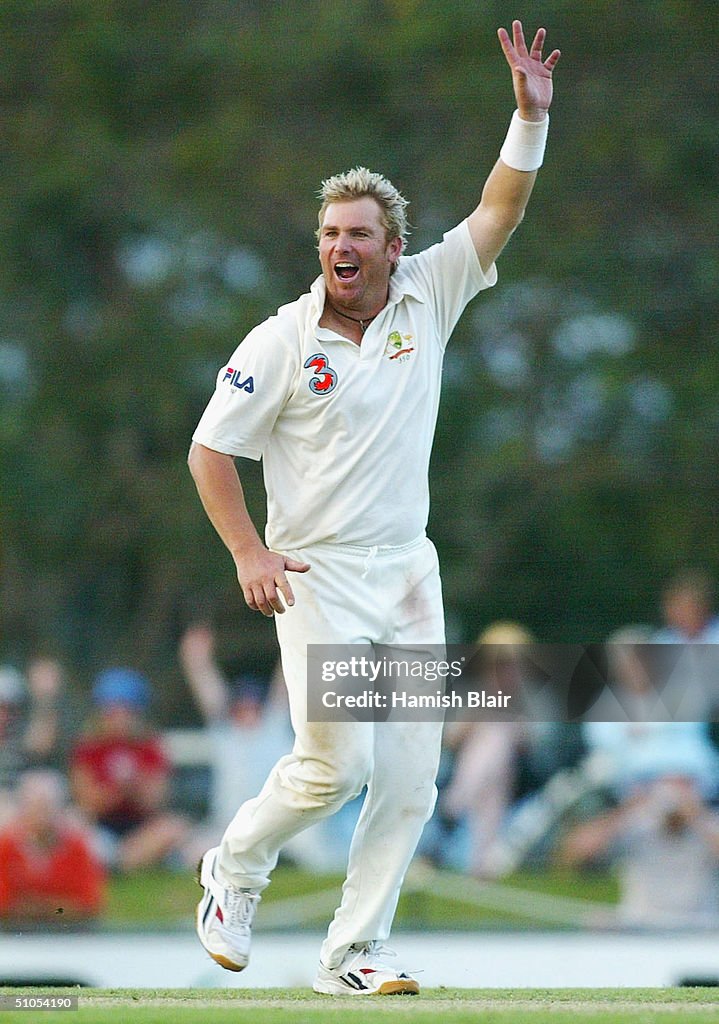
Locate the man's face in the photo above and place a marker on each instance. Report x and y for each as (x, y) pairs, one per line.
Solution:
(355, 255)
(686, 611)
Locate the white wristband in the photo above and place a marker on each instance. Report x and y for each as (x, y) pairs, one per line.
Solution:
(523, 149)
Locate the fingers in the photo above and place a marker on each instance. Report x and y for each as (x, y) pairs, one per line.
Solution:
(249, 596)
(264, 582)
(506, 44)
(519, 44)
(293, 566)
(536, 52)
(264, 598)
(551, 61)
(515, 48)
(282, 584)
(286, 590)
(274, 596)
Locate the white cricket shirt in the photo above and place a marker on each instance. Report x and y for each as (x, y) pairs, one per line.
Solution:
(345, 431)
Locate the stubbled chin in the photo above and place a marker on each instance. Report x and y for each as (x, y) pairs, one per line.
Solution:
(345, 289)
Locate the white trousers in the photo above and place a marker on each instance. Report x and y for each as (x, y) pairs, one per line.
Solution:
(385, 595)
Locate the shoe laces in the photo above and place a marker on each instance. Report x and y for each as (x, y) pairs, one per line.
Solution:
(374, 950)
(239, 908)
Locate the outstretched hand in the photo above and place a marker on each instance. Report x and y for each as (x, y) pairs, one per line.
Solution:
(531, 76)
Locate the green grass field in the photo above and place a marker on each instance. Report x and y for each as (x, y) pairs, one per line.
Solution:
(453, 1006)
(163, 899)
(159, 898)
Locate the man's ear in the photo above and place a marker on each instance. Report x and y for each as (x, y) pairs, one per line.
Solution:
(394, 249)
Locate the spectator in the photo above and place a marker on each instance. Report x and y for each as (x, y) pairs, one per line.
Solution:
(630, 734)
(119, 775)
(249, 727)
(47, 865)
(46, 729)
(625, 749)
(629, 754)
(486, 753)
(666, 841)
(496, 762)
(247, 722)
(31, 734)
(687, 602)
(689, 620)
(12, 700)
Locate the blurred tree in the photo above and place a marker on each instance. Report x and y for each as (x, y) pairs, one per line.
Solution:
(157, 198)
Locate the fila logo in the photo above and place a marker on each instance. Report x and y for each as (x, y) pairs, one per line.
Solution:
(326, 379)
(234, 377)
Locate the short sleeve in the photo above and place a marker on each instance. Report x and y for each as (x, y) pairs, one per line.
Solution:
(250, 392)
(449, 275)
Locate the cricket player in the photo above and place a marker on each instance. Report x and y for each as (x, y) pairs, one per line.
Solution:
(338, 395)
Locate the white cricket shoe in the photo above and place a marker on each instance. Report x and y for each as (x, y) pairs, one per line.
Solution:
(363, 972)
(224, 917)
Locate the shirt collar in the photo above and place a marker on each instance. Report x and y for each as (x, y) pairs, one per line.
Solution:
(400, 287)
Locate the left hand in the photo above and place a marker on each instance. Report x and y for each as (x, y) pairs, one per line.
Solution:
(531, 76)
(197, 645)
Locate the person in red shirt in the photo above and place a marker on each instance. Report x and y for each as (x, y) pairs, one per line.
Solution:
(48, 869)
(119, 775)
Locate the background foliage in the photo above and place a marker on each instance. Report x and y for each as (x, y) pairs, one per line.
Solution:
(157, 198)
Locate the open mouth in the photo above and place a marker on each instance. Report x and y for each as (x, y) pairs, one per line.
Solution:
(346, 271)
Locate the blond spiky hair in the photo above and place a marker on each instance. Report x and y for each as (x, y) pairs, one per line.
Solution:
(360, 182)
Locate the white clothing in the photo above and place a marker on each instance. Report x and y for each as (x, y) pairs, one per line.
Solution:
(641, 752)
(482, 783)
(345, 434)
(667, 880)
(691, 692)
(241, 758)
(345, 431)
(392, 596)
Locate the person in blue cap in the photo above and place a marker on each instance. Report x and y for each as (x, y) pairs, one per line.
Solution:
(119, 774)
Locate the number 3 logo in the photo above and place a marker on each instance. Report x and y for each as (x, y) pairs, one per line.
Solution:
(326, 379)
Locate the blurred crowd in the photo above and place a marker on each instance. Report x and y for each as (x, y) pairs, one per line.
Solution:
(83, 797)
